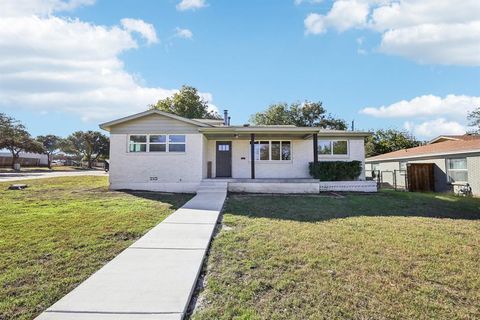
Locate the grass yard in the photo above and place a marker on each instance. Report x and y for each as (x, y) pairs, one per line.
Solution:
(57, 232)
(388, 256)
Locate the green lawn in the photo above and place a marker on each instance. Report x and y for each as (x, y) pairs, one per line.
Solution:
(392, 255)
(57, 232)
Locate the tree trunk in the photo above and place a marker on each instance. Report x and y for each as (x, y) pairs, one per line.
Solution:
(90, 163)
(49, 160)
(15, 158)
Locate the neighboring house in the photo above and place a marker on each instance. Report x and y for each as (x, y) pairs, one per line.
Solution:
(456, 162)
(26, 159)
(154, 150)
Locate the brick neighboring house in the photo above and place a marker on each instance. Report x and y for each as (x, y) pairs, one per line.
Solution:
(456, 160)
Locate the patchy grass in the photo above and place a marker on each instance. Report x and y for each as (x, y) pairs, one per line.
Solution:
(58, 231)
(388, 256)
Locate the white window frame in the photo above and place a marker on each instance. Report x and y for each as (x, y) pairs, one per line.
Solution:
(166, 143)
(141, 143)
(448, 170)
(332, 155)
(257, 142)
(402, 171)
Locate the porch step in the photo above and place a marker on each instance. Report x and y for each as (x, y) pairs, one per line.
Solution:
(212, 186)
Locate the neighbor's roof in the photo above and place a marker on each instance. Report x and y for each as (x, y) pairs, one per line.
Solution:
(461, 144)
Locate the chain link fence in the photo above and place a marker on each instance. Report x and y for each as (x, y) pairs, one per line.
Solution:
(396, 179)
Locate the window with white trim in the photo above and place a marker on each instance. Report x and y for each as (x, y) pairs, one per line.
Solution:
(332, 147)
(275, 150)
(457, 170)
(137, 143)
(156, 143)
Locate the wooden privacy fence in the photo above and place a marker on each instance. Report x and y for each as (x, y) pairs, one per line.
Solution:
(420, 177)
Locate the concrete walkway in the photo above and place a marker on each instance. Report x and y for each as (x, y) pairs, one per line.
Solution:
(14, 176)
(155, 277)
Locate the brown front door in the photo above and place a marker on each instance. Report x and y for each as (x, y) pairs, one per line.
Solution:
(224, 159)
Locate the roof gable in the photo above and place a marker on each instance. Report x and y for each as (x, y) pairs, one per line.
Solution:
(108, 125)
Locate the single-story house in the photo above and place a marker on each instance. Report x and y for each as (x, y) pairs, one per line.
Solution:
(155, 150)
(455, 158)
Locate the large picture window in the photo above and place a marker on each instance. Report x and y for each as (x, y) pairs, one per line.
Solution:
(333, 147)
(156, 143)
(457, 170)
(273, 151)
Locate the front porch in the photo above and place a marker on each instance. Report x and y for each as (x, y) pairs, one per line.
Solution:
(288, 186)
(259, 153)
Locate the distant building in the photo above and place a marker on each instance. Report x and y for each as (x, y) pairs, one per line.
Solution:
(26, 159)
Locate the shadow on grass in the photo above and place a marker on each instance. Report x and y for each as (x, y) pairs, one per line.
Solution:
(311, 208)
(175, 200)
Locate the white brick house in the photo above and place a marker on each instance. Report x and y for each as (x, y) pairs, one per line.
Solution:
(154, 150)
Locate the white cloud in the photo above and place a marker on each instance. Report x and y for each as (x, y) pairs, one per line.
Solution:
(428, 105)
(12, 8)
(434, 128)
(66, 65)
(191, 5)
(427, 31)
(315, 24)
(146, 30)
(183, 33)
(299, 2)
(457, 44)
(430, 115)
(345, 14)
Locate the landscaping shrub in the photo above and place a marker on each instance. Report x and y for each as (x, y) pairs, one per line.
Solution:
(336, 170)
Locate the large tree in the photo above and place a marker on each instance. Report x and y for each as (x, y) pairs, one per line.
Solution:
(87, 145)
(474, 118)
(51, 144)
(186, 103)
(388, 140)
(15, 138)
(306, 114)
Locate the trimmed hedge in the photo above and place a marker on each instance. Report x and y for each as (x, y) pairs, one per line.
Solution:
(336, 170)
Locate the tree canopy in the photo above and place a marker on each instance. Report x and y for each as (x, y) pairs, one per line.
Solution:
(474, 118)
(15, 138)
(186, 103)
(306, 114)
(51, 143)
(88, 145)
(388, 140)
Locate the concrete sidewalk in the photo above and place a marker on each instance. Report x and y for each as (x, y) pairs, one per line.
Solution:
(155, 277)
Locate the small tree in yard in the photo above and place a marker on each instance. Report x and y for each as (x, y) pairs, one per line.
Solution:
(15, 138)
(89, 145)
(51, 143)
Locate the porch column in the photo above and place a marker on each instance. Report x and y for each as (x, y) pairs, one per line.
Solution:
(252, 155)
(315, 148)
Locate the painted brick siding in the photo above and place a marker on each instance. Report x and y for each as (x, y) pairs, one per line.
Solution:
(176, 172)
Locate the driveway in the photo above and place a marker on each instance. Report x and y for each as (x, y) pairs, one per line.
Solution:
(14, 176)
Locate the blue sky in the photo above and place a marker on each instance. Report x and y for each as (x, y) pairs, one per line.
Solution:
(79, 64)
